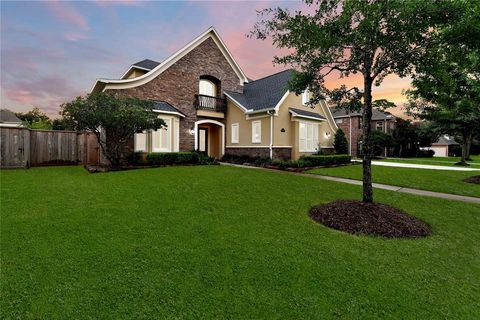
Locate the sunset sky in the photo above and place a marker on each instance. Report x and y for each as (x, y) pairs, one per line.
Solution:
(53, 51)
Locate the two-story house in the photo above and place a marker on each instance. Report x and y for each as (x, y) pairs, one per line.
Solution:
(210, 105)
(351, 124)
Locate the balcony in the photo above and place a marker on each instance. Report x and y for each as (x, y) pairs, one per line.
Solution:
(209, 103)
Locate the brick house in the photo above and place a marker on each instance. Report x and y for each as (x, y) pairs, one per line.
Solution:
(210, 105)
(351, 124)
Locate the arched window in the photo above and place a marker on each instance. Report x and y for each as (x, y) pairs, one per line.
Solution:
(207, 87)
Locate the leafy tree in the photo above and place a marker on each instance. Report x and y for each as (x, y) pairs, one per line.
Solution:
(373, 38)
(340, 142)
(113, 120)
(446, 88)
(62, 124)
(380, 141)
(35, 119)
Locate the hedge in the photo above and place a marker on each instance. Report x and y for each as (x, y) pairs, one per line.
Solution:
(316, 160)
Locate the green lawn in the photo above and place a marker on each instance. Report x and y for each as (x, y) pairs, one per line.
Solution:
(221, 242)
(425, 179)
(439, 161)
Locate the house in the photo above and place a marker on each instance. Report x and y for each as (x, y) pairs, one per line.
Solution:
(210, 105)
(351, 124)
(9, 119)
(443, 147)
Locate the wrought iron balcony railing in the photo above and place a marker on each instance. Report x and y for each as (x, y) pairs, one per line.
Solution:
(209, 103)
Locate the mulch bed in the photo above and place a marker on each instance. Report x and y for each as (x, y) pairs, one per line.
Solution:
(372, 219)
(474, 179)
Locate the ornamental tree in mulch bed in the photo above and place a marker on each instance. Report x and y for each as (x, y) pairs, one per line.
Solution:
(374, 219)
(474, 179)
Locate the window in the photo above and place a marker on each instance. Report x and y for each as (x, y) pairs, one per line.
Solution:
(140, 142)
(235, 133)
(207, 87)
(379, 125)
(338, 121)
(256, 131)
(305, 97)
(162, 138)
(308, 136)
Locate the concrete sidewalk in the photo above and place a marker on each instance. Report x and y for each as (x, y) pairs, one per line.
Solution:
(420, 166)
(417, 192)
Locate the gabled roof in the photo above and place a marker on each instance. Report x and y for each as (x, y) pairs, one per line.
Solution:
(102, 84)
(264, 93)
(306, 114)
(8, 116)
(146, 64)
(445, 140)
(377, 115)
(165, 107)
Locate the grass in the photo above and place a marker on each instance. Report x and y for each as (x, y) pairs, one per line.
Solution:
(425, 179)
(221, 242)
(439, 161)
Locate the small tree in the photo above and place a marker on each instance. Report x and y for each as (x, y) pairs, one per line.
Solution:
(372, 38)
(113, 120)
(340, 142)
(35, 119)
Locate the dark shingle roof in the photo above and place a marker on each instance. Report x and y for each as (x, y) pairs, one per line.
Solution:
(307, 114)
(445, 140)
(376, 114)
(165, 106)
(8, 116)
(146, 64)
(263, 93)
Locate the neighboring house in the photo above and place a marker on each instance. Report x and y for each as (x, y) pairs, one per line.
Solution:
(351, 124)
(9, 119)
(442, 147)
(210, 105)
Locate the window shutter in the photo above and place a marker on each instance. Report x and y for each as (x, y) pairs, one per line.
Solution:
(140, 142)
(176, 135)
(256, 131)
(303, 136)
(235, 133)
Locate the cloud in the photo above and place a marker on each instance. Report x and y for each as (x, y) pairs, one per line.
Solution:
(67, 13)
(106, 3)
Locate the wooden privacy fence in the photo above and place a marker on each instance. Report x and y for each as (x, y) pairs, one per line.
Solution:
(22, 147)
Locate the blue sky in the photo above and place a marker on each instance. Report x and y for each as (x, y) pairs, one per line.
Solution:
(52, 51)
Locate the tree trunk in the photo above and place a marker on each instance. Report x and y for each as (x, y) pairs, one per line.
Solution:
(468, 146)
(463, 160)
(367, 141)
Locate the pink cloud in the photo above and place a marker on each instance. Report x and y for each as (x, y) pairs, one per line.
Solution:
(105, 3)
(66, 12)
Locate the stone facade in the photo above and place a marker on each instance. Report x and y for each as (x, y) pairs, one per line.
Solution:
(178, 85)
(278, 153)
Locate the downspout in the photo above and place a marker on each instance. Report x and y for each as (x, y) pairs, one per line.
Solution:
(350, 136)
(272, 112)
(385, 131)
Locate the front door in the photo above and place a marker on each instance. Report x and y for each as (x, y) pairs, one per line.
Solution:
(203, 140)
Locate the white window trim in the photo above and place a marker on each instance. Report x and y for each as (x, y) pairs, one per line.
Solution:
(235, 129)
(259, 140)
(135, 142)
(315, 139)
(169, 130)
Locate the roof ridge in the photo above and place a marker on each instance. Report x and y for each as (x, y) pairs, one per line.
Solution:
(271, 75)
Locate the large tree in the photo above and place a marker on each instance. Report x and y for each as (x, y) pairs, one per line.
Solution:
(113, 120)
(372, 38)
(446, 87)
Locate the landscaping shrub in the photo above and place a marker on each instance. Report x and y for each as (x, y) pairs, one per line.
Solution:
(315, 160)
(241, 159)
(340, 142)
(170, 158)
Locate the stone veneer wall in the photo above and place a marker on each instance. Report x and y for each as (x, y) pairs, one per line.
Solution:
(178, 85)
(356, 132)
(278, 153)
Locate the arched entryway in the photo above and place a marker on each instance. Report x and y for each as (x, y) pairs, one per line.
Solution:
(210, 137)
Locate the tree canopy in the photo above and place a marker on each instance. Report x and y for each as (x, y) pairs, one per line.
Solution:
(113, 120)
(372, 38)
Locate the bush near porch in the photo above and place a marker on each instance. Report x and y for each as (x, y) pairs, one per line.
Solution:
(170, 158)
